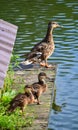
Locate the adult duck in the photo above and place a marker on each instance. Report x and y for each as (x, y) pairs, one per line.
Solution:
(44, 49)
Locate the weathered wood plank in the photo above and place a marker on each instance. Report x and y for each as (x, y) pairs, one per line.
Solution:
(29, 76)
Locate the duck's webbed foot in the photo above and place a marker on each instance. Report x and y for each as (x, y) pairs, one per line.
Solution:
(42, 64)
(38, 102)
(45, 65)
(48, 66)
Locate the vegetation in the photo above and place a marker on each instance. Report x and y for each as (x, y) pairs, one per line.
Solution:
(15, 120)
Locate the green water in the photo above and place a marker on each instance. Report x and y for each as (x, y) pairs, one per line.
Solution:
(32, 18)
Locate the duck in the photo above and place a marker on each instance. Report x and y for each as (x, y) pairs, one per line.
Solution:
(21, 100)
(39, 87)
(44, 49)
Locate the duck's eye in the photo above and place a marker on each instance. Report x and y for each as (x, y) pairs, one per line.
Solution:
(53, 23)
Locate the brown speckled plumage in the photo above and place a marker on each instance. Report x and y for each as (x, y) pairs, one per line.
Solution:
(39, 87)
(43, 50)
(21, 100)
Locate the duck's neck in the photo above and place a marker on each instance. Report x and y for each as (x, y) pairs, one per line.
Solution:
(49, 36)
(41, 81)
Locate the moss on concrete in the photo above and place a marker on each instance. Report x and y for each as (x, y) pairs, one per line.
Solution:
(40, 113)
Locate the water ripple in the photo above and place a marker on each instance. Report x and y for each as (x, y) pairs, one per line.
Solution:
(32, 17)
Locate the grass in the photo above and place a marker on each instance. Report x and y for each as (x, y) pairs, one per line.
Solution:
(16, 120)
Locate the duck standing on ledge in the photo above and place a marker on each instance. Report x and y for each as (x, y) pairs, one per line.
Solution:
(44, 49)
(39, 87)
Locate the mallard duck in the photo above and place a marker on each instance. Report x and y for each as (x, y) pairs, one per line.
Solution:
(21, 100)
(44, 49)
(39, 87)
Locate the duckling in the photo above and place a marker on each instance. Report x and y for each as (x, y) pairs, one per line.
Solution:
(39, 87)
(44, 49)
(21, 100)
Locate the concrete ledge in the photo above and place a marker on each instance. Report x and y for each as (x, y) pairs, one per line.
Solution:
(41, 112)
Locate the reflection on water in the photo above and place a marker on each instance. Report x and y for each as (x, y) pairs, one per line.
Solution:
(32, 18)
(56, 107)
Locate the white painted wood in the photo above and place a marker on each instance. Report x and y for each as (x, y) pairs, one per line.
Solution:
(8, 33)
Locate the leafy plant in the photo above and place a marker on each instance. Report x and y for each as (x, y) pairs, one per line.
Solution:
(15, 120)
(7, 96)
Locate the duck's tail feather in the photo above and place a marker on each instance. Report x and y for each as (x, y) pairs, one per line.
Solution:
(13, 105)
(34, 57)
(27, 62)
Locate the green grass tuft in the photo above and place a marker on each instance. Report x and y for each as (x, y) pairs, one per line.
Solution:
(15, 120)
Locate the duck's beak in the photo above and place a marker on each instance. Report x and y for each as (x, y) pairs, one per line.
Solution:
(59, 26)
(62, 26)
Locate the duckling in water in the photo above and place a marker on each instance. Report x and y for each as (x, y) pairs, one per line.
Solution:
(21, 100)
(44, 49)
(39, 87)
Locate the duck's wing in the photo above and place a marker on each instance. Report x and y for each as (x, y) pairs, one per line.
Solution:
(39, 47)
(17, 98)
(36, 86)
(37, 52)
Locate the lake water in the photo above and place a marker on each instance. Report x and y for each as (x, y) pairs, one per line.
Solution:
(32, 18)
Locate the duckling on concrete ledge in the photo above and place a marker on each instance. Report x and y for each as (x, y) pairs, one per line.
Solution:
(21, 100)
(44, 49)
(39, 87)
